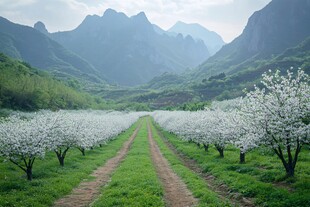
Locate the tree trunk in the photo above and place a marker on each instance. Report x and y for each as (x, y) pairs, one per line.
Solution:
(206, 147)
(290, 169)
(82, 150)
(292, 160)
(242, 157)
(221, 150)
(27, 168)
(29, 173)
(61, 156)
(61, 160)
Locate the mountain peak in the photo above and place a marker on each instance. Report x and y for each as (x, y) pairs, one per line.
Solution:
(40, 26)
(180, 23)
(109, 12)
(114, 16)
(141, 22)
(212, 40)
(141, 17)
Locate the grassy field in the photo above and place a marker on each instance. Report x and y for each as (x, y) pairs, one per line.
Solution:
(50, 181)
(261, 178)
(135, 182)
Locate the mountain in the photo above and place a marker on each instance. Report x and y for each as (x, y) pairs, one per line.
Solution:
(41, 27)
(127, 50)
(271, 40)
(280, 25)
(29, 45)
(231, 86)
(212, 40)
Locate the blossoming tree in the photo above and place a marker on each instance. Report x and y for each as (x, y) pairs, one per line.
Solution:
(282, 110)
(22, 140)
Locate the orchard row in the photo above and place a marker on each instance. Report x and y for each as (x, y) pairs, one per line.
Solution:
(27, 136)
(276, 116)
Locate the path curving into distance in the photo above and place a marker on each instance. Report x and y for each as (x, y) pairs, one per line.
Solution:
(176, 193)
(88, 191)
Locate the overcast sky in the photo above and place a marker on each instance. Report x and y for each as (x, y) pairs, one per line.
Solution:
(226, 17)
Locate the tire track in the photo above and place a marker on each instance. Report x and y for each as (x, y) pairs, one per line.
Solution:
(87, 192)
(221, 189)
(176, 192)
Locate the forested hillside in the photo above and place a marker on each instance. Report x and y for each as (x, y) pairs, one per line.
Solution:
(225, 86)
(23, 87)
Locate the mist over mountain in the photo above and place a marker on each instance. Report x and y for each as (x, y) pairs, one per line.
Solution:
(27, 44)
(127, 50)
(212, 40)
(280, 25)
(276, 37)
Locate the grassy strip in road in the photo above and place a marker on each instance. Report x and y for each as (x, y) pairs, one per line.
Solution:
(260, 178)
(50, 181)
(135, 182)
(195, 184)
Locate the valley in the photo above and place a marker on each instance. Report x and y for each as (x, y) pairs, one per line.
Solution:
(155, 103)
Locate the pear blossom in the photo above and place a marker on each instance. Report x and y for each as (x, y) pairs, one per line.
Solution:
(23, 140)
(282, 110)
(27, 136)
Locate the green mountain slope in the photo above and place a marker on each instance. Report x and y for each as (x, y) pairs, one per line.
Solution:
(232, 85)
(27, 44)
(165, 81)
(25, 88)
(176, 91)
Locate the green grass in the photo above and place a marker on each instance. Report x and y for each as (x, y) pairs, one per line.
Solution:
(195, 183)
(261, 178)
(50, 181)
(135, 182)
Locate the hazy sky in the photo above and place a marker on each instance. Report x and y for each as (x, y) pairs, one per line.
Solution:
(226, 17)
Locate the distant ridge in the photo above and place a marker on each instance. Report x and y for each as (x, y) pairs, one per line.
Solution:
(212, 40)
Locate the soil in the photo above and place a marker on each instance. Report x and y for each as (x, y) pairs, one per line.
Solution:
(176, 193)
(221, 189)
(88, 191)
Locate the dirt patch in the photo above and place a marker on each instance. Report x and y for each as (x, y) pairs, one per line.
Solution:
(221, 189)
(87, 192)
(176, 192)
(283, 185)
